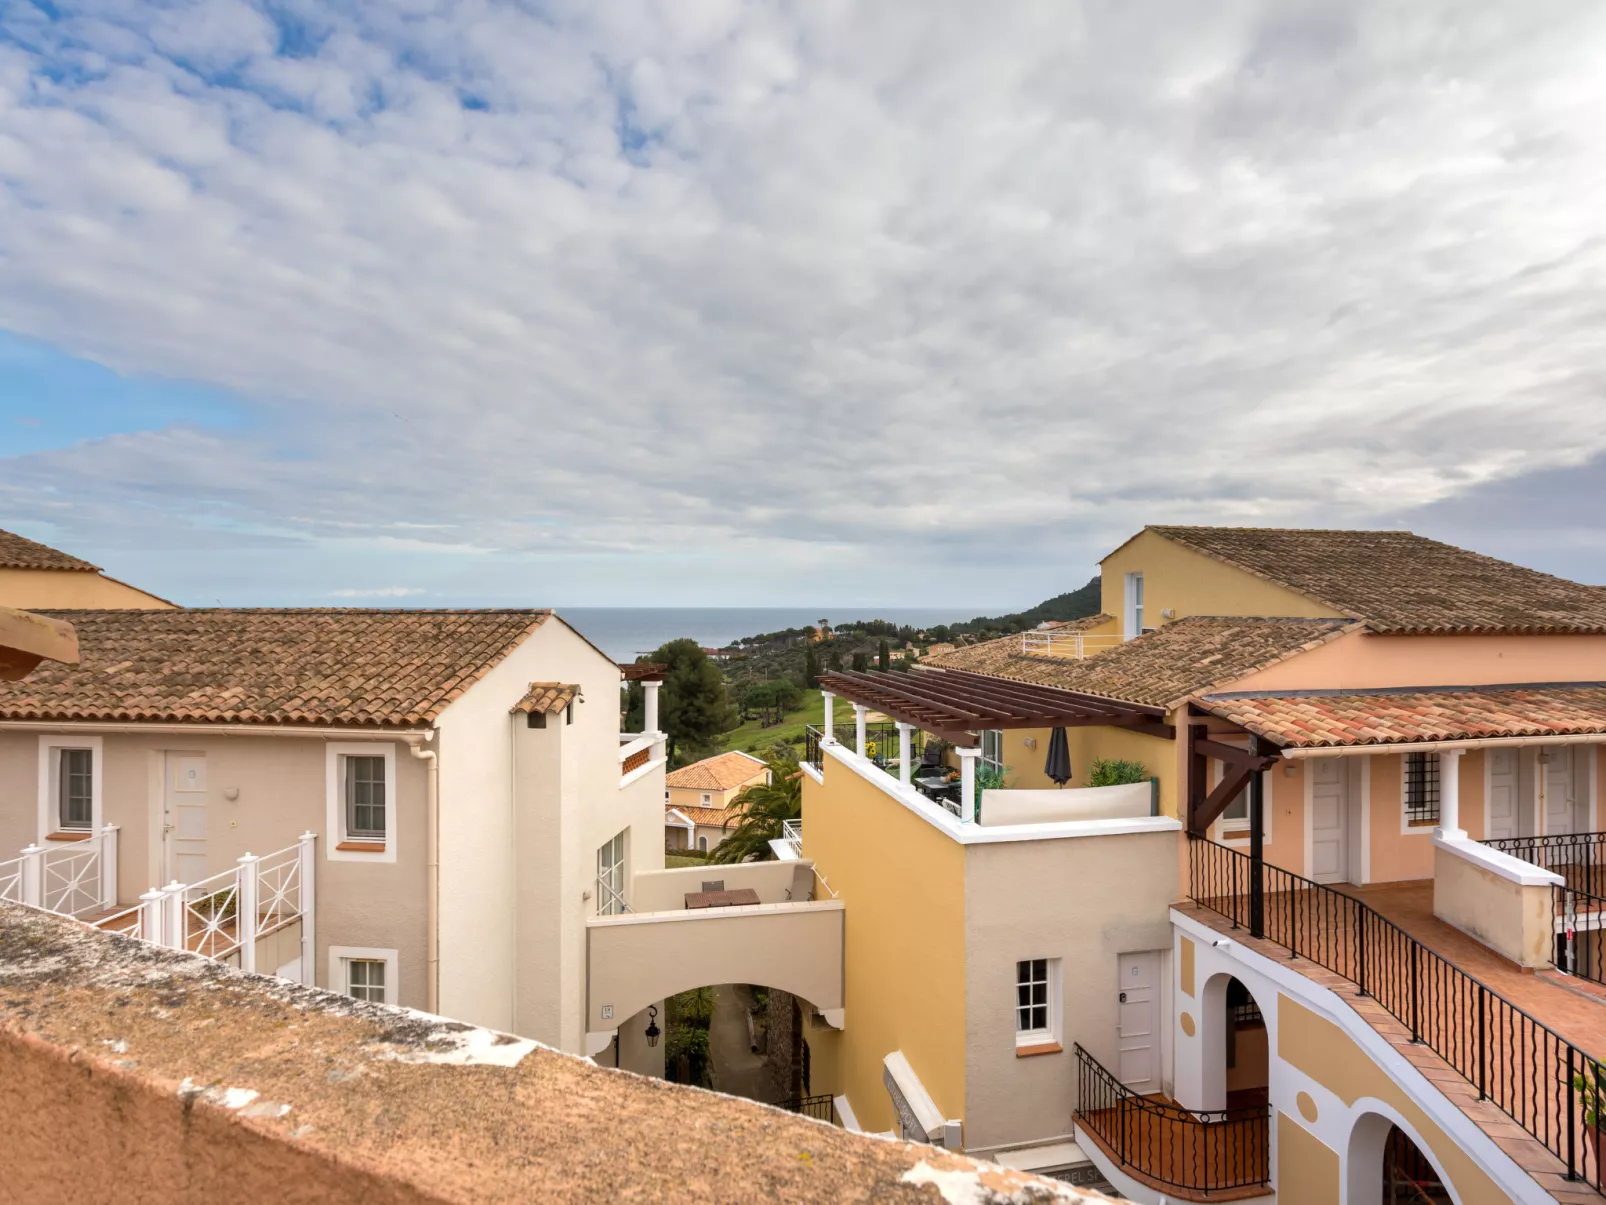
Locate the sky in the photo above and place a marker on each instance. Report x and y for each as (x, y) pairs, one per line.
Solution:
(705, 302)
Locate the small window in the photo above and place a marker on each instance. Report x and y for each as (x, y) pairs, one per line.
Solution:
(1134, 605)
(1421, 788)
(611, 877)
(365, 979)
(992, 749)
(76, 789)
(365, 798)
(1035, 1002)
(702, 844)
(707, 799)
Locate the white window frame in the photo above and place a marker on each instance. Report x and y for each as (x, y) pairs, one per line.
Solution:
(335, 754)
(606, 894)
(708, 799)
(50, 747)
(1132, 607)
(994, 737)
(1038, 1037)
(339, 980)
(1238, 833)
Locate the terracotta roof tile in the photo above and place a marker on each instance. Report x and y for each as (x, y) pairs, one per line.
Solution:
(719, 773)
(1400, 582)
(546, 697)
(1160, 668)
(334, 666)
(1316, 719)
(19, 552)
(711, 817)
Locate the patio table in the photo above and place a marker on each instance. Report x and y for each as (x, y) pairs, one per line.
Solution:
(735, 897)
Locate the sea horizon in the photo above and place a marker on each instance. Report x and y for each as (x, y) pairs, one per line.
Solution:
(625, 633)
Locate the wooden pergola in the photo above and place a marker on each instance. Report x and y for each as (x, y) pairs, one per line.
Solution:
(957, 704)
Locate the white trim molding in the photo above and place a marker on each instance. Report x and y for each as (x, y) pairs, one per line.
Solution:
(339, 956)
(335, 753)
(1525, 874)
(50, 746)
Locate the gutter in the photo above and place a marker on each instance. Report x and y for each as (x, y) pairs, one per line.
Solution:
(432, 872)
(1482, 742)
(202, 729)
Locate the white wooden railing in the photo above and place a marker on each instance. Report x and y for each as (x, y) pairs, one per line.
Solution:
(221, 916)
(792, 834)
(1051, 642)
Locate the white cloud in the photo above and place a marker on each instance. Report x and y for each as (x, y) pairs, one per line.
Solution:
(848, 290)
(381, 592)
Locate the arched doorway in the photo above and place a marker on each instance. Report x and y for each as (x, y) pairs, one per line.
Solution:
(1386, 1166)
(1248, 1053)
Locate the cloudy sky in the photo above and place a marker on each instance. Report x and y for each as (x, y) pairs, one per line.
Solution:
(703, 302)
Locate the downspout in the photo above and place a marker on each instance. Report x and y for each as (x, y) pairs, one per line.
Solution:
(432, 872)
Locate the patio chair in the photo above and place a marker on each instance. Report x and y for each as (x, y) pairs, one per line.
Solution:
(713, 884)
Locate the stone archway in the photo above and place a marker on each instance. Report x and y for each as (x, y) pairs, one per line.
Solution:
(1231, 1051)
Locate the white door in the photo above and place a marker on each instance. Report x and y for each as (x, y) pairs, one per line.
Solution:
(1557, 784)
(1138, 1026)
(1504, 819)
(184, 817)
(1329, 819)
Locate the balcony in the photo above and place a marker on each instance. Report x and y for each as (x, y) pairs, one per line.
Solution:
(639, 754)
(1222, 1155)
(1503, 1044)
(1075, 646)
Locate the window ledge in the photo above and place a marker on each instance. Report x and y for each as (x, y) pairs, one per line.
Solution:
(69, 835)
(1421, 823)
(1037, 1048)
(361, 847)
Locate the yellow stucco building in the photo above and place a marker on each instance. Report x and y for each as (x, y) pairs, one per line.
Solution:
(36, 577)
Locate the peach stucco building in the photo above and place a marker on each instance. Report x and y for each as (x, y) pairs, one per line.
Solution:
(34, 576)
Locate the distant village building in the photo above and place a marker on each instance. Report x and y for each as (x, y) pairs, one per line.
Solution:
(698, 799)
(35, 576)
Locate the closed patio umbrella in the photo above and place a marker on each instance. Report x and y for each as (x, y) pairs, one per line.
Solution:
(1058, 765)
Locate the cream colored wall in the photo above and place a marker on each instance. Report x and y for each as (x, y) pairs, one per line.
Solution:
(775, 882)
(636, 960)
(479, 896)
(1316, 1047)
(680, 797)
(67, 589)
(903, 882)
(282, 793)
(1514, 920)
(1362, 660)
(1051, 899)
(1191, 583)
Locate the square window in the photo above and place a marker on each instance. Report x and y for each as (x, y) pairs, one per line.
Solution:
(365, 979)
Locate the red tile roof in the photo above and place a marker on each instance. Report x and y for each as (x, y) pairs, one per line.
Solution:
(546, 697)
(19, 552)
(344, 667)
(720, 773)
(708, 817)
(1400, 582)
(1315, 719)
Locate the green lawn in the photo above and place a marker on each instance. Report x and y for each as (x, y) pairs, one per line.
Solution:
(750, 734)
(671, 862)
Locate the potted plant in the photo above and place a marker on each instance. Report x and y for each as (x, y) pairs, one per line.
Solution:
(1590, 1084)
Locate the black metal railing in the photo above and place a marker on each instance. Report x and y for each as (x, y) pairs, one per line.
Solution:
(1578, 918)
(1579, 858)
(1167, 1144)
(821, 1108)
(1544, 1083)
(811, 747)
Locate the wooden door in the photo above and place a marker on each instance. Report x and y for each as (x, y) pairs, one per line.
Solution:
(1329, 819)
(1505, 817)
(1138, 1027)
(184, 817)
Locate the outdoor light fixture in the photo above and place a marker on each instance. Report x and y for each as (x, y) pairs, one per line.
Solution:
(652, 1025)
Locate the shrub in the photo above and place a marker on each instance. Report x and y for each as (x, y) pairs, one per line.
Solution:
(1113, 772)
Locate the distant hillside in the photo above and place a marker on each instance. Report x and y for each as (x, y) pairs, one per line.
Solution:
(785, 654)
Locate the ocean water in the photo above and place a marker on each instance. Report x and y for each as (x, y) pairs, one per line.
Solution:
(626, 632)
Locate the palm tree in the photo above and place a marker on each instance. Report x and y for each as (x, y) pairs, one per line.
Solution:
(762, 808)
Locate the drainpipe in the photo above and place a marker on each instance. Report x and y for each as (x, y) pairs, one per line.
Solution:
(432, 873)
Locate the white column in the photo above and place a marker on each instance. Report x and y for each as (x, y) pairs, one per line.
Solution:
(905, 743)
(173, 918)
(859, 711)
(1450, 793)
(150, 915)
(828, 732)
(309, 911)
(245, 910)
(967, 783)
(33, 876)
(649, 694)
(108, 867)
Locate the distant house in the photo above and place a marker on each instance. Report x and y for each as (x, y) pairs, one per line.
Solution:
(35, 576)
(938, 649)
(698, 798)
